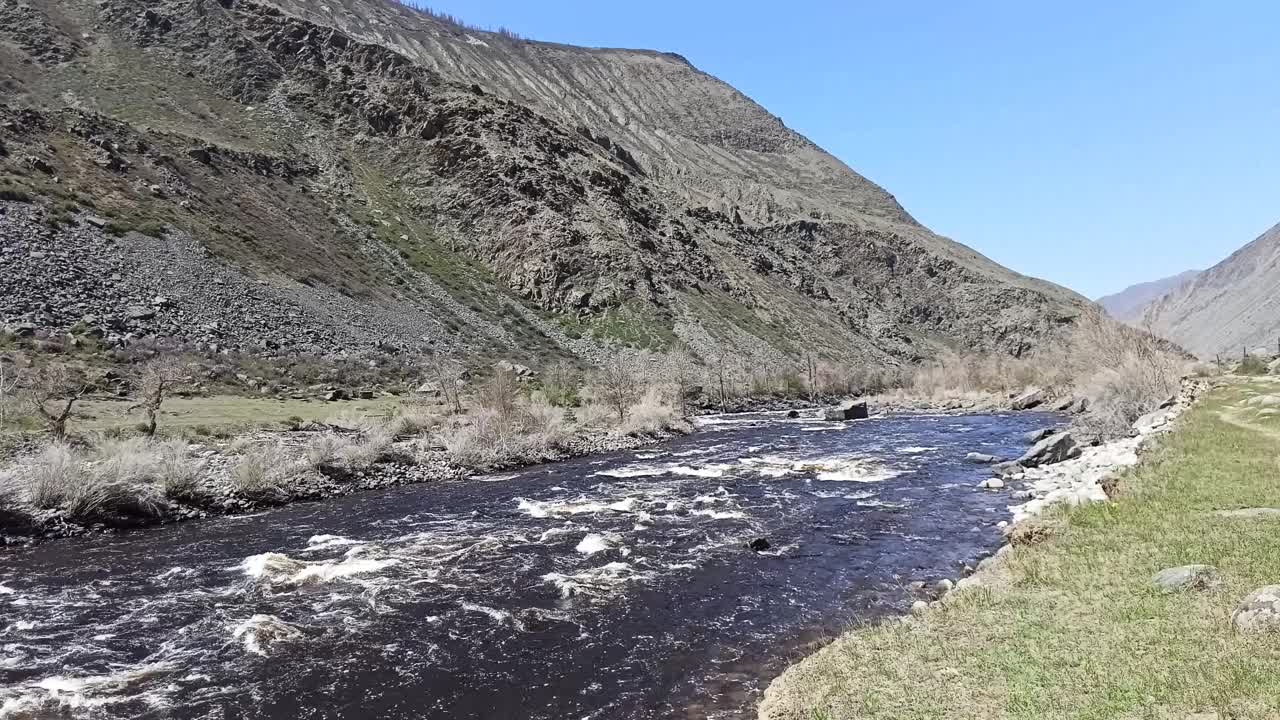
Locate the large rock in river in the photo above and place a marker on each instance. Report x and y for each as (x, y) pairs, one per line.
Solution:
(848, 410)
(1053, 449)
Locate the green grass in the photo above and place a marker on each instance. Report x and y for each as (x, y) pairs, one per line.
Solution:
(1071, 627)
(220, 413)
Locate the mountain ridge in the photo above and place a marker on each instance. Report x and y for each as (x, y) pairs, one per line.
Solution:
(497, 191)
(1230, 306)
(1129, 305)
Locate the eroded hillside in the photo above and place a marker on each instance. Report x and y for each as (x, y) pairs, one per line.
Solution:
(334, 175)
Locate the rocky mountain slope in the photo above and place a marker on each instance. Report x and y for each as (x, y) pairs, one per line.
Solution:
(285, 176)
(1129, 304)
(1230, 306)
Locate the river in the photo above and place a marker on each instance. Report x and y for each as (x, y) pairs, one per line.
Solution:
(611, 587)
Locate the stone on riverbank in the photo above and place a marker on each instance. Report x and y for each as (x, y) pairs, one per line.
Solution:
(1054, 449)
(1036, 436)
(1187, 577)
(981, 458)
(992, 484)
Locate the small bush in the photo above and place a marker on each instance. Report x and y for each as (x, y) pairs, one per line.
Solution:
(650, 415)
(53, 475)
(325, 450)
(371, 449)
(261, 471)
(178, 473)
(1252, 365)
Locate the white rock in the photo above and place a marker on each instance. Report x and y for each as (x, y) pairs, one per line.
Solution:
(992, 484)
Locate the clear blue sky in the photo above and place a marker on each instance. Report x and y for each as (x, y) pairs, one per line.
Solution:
(1095, 144)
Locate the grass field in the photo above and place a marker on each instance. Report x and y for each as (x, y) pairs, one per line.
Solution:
(1073, 627)
(221, 412)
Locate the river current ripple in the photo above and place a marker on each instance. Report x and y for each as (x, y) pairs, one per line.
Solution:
(612, 587)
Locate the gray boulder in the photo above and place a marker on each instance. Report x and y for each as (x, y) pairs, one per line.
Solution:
(1157, 421)
(139, 312)
(1053, 449)
(981, 458)
(1033, 397)
(1259, 612)
(1187, 577)
(848, 410)
(1036, 436)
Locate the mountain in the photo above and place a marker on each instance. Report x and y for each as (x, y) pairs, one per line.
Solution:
(285, 176)
(1129, 304)
(1230, 306)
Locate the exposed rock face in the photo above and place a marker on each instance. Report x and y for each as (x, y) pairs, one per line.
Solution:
(1230, 306)
(416, 182)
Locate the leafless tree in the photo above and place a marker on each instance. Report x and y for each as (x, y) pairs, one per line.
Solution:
(616, 384)
(681, 372)
(447, 374)
(500, 393)
(560, 383)
(51, 391)
(810, 359)
(155, 381)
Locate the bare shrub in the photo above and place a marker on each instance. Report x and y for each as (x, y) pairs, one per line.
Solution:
(447, 374)
(8, 383)
(500, 393)
(53, 475)
(1252, 365)
(324, 450)
(681, 372)
(593, 414)
(368, 451)
(560, 384)
(412, 420)
(651, 414)
(177, 472)
(533, 432)
(261, 471)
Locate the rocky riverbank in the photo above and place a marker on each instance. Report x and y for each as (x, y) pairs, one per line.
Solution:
(218, 487)
(1055, 470)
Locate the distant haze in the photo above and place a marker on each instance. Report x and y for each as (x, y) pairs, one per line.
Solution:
(1128, 304)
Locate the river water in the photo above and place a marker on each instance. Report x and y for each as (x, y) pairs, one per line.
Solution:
(612, 587)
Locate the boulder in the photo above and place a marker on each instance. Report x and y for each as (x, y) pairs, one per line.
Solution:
(992, 484)
(519, 371)
(759, 545)
(1186, 577)
(1053, 449)
(919, 607)
(944, 586)
(1259, 612)
(1157, 421)
(793, 414)
(1036, 436)
(981, 458)
(139, 312)
(1032, 397)
(848, 410)
(334, 395)
(96, 221)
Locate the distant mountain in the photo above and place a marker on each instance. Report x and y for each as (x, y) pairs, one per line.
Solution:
(1128, 304)
(1232, 305)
